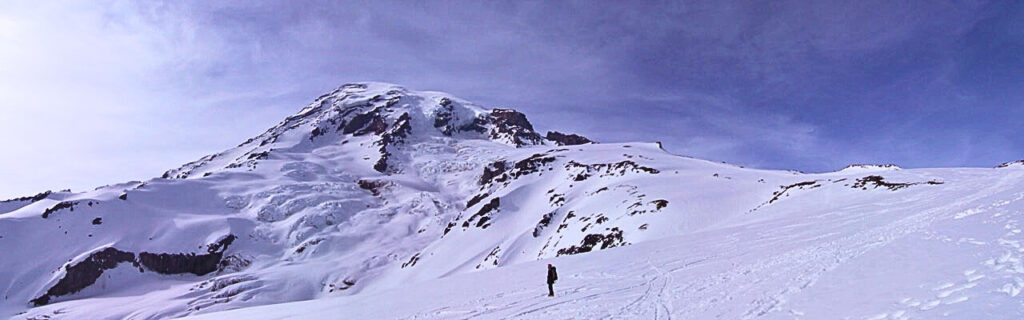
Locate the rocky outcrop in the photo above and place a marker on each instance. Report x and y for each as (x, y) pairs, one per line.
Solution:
(70, 205)
(513, 126)
(585, 171)
(476, 199)
(400, 130)
(376, 187)
(543, 223)
(530, 165)
(492, 171)
(444, 117)
(610, 240)
(799, 185)
(567, 139)
(878, 181)
(484, 215)
(362, 124)
(177, 263)
(1018, 163)
(30, 199)
(83, 274)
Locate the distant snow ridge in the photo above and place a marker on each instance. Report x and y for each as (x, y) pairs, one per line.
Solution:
(374, 188)
(1018, 163)
(869, 167)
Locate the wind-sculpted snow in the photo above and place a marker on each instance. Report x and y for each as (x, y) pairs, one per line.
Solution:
(377, 192)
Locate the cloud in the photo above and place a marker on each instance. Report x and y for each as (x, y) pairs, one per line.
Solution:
(133, 88)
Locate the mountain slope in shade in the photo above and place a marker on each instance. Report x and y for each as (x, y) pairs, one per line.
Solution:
(374, 191)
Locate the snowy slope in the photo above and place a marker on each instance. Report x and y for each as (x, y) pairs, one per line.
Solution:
(379, 201)
(913, 254)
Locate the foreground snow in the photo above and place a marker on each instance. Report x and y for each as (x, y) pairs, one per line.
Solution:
(924, 256)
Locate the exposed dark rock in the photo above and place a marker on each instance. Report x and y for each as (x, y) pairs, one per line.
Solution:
(365, 123)
(492, 171)
(511, 118)
(607, 169)
(544, 222)
(799, 185)
(567, 139)
(784, 192)
(398, 132)
(85, 273)
(660, 203)
(493, 257)
(530, 165)
(479, 125)
(123, 196)
(513, 124)
(444, 116)
(375, 186)
(400, 129)
(37, 197)
(448, 228)
(483, 214)
(345, 285)
(233, 263)
(1011, 163)
(412, 261)
(268, 141)
(311, 243)
(565, 221)
(476, 199)
(590, 241)
(382, 163)
(70, 205)
(316, 133)
(259, 155)
(97, 221)
(176, 263)
(878, 181)
(557, 199)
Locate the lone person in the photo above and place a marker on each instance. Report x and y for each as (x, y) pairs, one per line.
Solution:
(552, 276)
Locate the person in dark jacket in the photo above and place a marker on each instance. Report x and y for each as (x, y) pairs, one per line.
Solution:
(552, 276)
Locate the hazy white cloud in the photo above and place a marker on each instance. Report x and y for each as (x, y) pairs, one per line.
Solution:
(89, 95)
(100, 92)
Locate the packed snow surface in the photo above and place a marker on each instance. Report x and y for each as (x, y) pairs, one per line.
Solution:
(378, 202)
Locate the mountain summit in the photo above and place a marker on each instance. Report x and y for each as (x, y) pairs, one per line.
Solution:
(374, 192)
(384, 115)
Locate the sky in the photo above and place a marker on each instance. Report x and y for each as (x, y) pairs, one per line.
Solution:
(100, 92)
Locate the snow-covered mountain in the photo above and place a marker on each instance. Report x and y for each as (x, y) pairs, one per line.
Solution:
(420, 204)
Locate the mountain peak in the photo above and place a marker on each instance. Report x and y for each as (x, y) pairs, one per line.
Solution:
(382, 117)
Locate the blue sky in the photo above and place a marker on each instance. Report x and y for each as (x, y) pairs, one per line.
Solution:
(101, 92)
